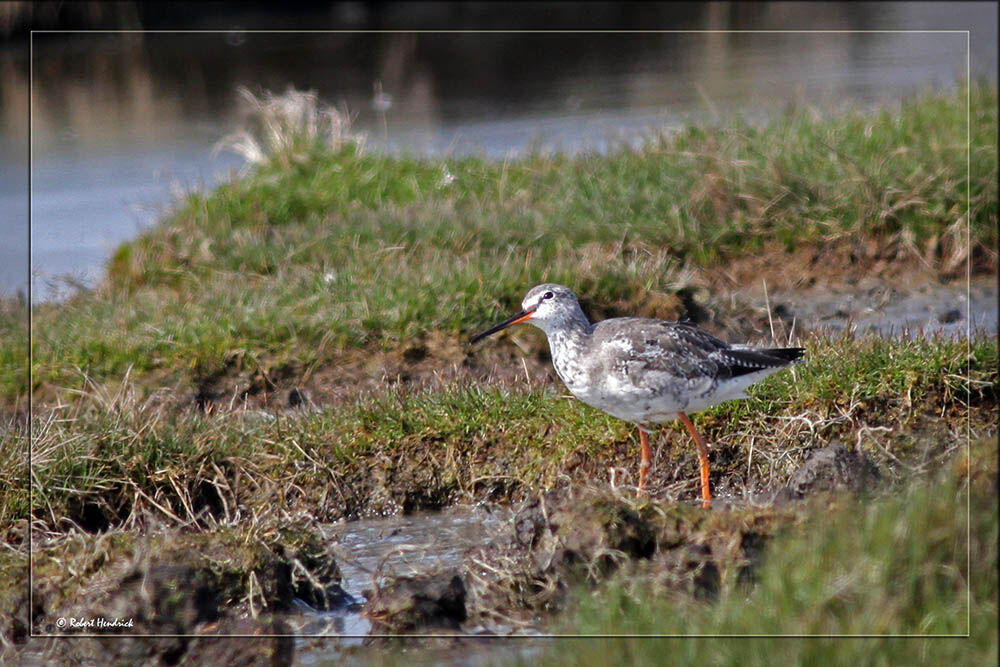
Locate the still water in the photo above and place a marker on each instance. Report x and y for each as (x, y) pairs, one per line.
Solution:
(368, 550)
(122, 124)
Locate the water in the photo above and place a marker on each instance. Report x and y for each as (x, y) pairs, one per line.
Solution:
(393, 546)
(950, 311)
(122, 123)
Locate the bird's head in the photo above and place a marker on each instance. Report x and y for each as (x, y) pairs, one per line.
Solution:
(547, 306)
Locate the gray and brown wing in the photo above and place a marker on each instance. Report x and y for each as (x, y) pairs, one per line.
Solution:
(656, 355)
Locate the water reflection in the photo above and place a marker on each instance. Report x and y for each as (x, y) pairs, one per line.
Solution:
(99, 92)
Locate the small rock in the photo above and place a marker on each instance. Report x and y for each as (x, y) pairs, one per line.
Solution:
(949, 316)
(829, 469)
(296, 397)
(415, 353)
(419, 603)
(264, 650)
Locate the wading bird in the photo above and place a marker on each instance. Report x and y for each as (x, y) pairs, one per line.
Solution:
(643, 370)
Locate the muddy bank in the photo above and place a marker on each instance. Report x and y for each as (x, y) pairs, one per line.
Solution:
(876, 308)
(575, 539)
(497, 571)
(202, 582)
(506, 572)
(104, 589)
(582, 535)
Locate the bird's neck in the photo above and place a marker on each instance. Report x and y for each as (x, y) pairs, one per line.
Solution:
(574, 333)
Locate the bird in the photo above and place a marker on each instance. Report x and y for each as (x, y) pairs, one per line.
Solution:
(643, 370)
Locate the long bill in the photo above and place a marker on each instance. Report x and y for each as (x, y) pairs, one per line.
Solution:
(523, 316)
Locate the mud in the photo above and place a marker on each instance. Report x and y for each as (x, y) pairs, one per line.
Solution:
(421, 603)
(515, 581)
(573, 536)
(833, 468)
(105, 590)
(955, 310)
(467, 572)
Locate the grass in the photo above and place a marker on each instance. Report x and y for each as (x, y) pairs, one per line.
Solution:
(115, 457)
(893, 567)
(229, 555)
(14, 351)
(324, 247)
(324, 250)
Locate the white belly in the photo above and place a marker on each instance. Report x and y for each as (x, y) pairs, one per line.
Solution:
(624, 400)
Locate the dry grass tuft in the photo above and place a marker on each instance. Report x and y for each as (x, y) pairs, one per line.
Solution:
(288, 128)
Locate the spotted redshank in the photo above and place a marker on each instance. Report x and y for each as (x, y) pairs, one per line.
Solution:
(642, 370)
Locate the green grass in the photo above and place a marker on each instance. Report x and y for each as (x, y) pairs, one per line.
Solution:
(13, 481)
(337, 248)
(13, 351)
(127, 455)
(896, 566)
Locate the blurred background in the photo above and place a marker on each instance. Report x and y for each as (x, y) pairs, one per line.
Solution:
(122, 122)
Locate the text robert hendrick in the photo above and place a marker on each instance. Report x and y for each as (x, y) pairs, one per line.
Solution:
(99, 623)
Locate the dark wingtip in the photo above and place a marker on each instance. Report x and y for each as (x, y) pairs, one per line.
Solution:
(739, 362)
(786, 353)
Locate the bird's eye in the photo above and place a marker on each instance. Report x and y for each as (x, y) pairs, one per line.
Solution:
(547, 295)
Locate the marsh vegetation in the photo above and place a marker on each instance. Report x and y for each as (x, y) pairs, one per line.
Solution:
(289, 350)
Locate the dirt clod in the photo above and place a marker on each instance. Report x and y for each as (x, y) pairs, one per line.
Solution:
(573, 535)
(832, 468)
(410, 604)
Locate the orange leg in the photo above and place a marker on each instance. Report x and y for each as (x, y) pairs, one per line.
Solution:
(702, 459)
(644, 465)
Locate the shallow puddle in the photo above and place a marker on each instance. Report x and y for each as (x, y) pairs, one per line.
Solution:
(947, 310)
(368, 549)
